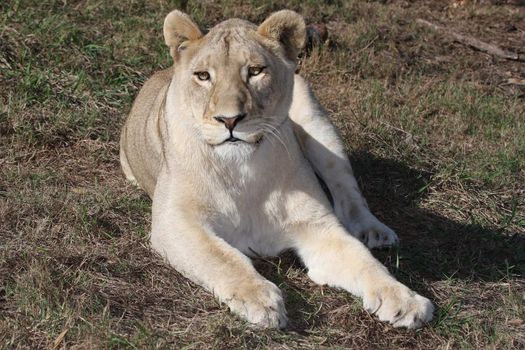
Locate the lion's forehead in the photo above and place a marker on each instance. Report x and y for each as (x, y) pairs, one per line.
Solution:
(231, 43)
(233, 23)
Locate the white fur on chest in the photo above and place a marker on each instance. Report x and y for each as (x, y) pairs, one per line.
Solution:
(248, 203)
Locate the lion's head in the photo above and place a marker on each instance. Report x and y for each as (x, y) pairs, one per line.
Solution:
(235, 83)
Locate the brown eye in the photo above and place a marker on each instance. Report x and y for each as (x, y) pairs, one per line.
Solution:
(254, 71)
(203, 76)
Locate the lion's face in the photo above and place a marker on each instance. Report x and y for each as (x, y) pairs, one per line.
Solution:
(237, 89)
(236, 82)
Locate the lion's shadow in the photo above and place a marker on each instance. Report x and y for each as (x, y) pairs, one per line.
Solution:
(432, 245)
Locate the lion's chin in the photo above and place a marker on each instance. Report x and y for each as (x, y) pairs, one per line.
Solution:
(236, 151)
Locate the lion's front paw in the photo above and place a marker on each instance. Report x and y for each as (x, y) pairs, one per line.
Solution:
(369, 230)
(399, 306)
(376, 235)
(260, 303)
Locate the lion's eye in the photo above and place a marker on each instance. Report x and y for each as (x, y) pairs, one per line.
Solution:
(254, 71)
(202, 76)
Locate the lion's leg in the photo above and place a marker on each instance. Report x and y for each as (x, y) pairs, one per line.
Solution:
(337, 259)
(323, 148)
(209, 261)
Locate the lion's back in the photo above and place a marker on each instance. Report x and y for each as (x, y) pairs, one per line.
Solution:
(140, 142)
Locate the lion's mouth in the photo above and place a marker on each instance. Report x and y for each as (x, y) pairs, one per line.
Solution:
(233, 139)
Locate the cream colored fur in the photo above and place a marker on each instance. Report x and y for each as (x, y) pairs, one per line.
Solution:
(216, 201)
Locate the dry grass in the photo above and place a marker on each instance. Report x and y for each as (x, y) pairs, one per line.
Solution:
(434, 129)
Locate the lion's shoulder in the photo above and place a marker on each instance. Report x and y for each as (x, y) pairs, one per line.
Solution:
(154, 85)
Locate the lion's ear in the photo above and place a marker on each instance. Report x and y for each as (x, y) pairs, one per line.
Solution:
(286, 27)
(178, 28)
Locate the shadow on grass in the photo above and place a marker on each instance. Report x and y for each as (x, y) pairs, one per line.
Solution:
(433, 246)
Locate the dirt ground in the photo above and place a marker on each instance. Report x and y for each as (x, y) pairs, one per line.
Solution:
(435, 130)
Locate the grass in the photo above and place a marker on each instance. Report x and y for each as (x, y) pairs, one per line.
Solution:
(435, 133)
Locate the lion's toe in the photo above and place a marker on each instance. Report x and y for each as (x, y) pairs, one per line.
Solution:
(262, 306)
(399, 306)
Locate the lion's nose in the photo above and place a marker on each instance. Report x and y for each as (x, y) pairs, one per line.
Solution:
(230, 122)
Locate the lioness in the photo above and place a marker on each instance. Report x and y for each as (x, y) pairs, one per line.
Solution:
(227, 143)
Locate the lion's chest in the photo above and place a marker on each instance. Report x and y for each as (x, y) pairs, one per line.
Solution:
(249, 214)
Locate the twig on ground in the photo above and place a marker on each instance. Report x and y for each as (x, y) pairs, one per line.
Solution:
(473, 42)
(514, 81)
(59, 339)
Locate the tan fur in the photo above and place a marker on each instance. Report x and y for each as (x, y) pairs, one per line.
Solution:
(227, 143)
